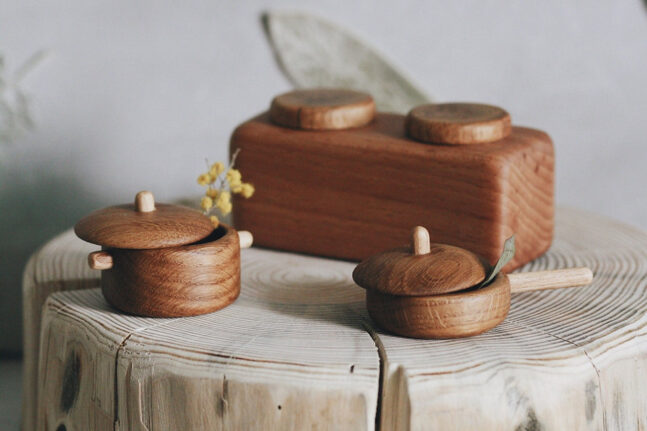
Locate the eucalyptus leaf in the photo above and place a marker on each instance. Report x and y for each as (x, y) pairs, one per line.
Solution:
(30, 64)
(313, 52)
(15, 116)
(506, 256)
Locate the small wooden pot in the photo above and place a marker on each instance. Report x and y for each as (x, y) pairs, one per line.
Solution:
(450, 315)
(440, 291)
(177, 281)
(163, 260)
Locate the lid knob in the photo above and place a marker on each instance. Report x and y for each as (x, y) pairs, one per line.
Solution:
(458, 123)
(420, 241)
(322, 109)
(144, 202)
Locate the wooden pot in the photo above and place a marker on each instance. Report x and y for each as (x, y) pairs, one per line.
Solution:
(164, 260)
(441, 291)
(173, 281)
(451, 315)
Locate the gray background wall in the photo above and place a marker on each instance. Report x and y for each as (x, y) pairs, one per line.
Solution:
(137, 93)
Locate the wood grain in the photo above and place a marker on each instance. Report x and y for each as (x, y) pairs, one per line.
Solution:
(322, 109)
(458, 123)
(260, 364)
(175, 281)
(562, 359)
(122, 226)
(452, 315)
(365, 188)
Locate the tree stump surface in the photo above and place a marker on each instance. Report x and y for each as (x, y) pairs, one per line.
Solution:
(298, 351)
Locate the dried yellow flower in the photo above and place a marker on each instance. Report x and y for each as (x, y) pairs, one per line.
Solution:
(225, 208)
(214, 221)
(204, 179)
(247, 190)
(217, 169)
(212, 193)
(233, 176)
(220, 188)
(206, 203)
(223, 198)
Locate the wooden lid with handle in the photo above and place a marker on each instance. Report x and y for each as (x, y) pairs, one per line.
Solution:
(421, 269)
(458, 123)
(144, 225)
(322, 109)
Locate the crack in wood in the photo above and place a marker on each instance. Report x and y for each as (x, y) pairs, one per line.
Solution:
(381, 352)
(122, 345)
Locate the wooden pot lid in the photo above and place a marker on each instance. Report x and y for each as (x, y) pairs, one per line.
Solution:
(458, 123)
(322, 109)
(144, 225)
(422, 269)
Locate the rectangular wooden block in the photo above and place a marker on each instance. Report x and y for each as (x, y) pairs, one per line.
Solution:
(351, 193)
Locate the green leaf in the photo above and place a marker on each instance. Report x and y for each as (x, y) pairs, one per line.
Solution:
(506, 256)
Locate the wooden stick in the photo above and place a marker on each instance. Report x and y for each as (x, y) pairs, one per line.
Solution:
(420, 240)
(555, 279)
(246, 239)
(144, 202)
(100, 260)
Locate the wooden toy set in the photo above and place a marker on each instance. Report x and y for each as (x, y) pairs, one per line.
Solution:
(335, 178)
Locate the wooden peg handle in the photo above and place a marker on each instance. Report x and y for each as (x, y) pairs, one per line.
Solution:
(144, 202)
(246, 239)
(420, 240)
(100, 260)
(555, 279)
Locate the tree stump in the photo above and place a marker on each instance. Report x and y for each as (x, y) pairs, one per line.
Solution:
(297, 351)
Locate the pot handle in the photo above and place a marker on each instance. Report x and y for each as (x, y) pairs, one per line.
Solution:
(246, 238)
(553, 279)
(100, 260)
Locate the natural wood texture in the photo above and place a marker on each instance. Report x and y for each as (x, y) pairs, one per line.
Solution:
(263, 363)
(100, 260)
(562, 359)
(144, 202)
(60, 265)
(452, 315)
(554, 279)
(400, 272)
(322, 109)
(458, 123)
(122, 226)
(363, 189)
(175, 281)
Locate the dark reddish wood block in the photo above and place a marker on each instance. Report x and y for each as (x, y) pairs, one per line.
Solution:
(352, 193)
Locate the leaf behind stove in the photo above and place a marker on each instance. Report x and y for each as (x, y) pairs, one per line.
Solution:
(313, 52)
